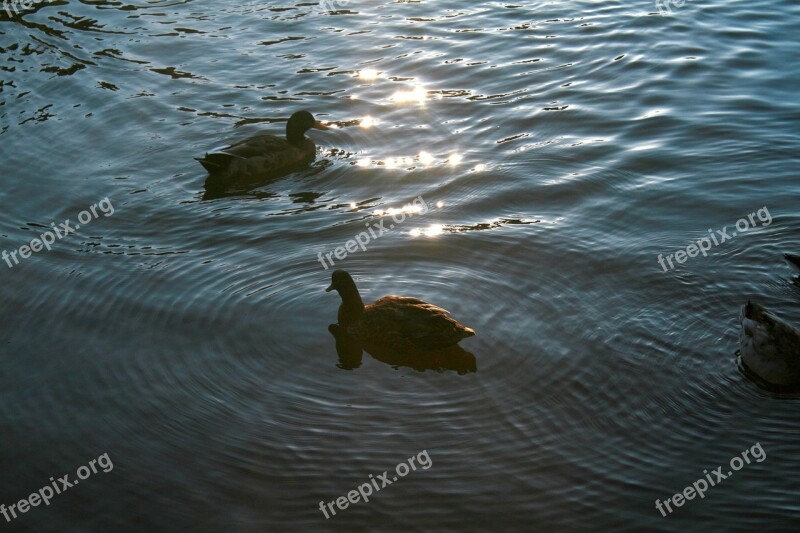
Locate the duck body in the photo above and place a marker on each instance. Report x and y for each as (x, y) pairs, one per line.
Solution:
(258, 157)
(770, 348)
(398, 322)
(263, 156)
(407, 323)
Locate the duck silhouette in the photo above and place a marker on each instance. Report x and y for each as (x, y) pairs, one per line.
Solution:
(261, 157)
(396, 322)
(793, 260)
(769, 346)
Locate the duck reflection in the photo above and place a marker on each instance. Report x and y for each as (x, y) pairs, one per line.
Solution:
(348, 349)
(453, 358)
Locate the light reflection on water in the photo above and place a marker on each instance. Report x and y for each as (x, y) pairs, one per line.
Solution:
(560, 147)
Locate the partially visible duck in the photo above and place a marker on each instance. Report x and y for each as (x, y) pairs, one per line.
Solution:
(262, 156)
(770, 348)
(395, 321)
(793, 260)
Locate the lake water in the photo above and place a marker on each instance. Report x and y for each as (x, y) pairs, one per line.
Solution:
(559, 147)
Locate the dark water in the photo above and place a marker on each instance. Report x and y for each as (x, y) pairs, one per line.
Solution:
(187, 338)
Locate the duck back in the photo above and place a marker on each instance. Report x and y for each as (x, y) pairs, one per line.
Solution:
(770, 348)
(257, 158)
(408, 323)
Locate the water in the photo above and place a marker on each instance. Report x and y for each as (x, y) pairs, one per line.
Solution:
(187, 338)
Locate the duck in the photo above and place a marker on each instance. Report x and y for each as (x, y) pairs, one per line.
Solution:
(770, 347)
(398, 322)
(262, 156)
(794, 260)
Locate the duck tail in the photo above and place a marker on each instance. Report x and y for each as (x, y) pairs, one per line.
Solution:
(219, 177)
(215, 163)
(793, 260)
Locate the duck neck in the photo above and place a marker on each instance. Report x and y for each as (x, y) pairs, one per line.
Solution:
(294, 133)
(352, 306)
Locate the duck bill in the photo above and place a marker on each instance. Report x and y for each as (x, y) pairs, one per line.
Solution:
(329, 289)
(320, 126)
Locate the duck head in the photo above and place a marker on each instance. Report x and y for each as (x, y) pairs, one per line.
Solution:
(299, 123)
(352, 306)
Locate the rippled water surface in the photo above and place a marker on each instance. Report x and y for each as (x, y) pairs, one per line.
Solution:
(559, 148)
